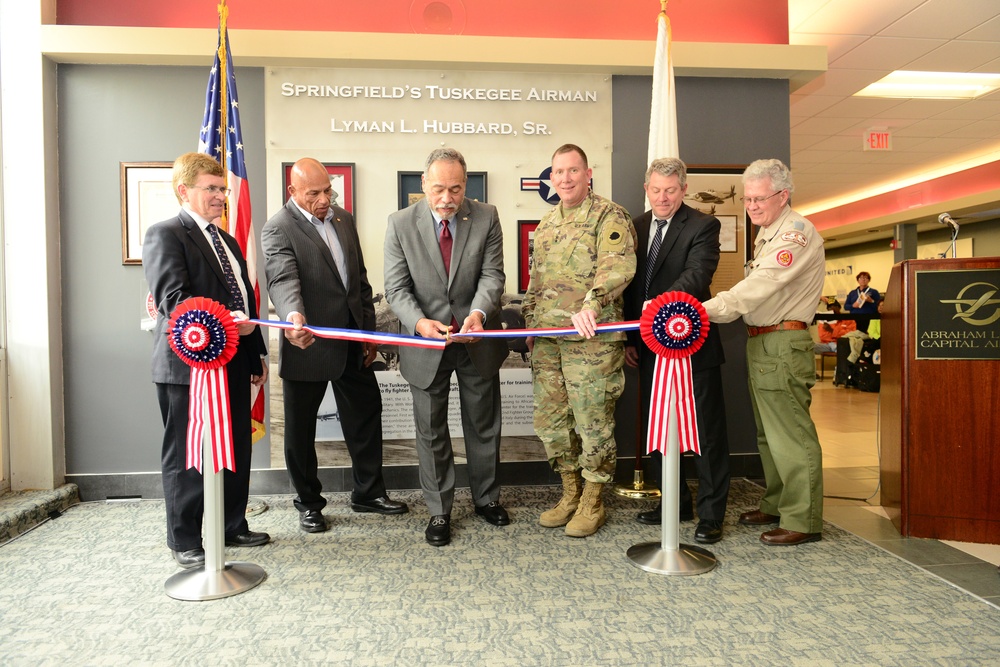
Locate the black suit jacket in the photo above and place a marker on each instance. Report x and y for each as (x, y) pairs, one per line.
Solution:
(688, 257)
(303, 277)
(180, 263)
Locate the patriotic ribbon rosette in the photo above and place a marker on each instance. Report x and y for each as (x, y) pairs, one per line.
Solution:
(674, 326)
(203, 334)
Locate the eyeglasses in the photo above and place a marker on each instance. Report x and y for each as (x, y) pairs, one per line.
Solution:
(758, 200)
(213, 190)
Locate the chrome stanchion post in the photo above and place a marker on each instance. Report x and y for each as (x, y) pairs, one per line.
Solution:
(216, 578)
(669, 556)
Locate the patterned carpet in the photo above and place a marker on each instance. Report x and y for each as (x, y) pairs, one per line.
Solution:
(87, 589)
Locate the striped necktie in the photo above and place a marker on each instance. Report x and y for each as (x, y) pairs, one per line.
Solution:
(227, 269)
(654, 250)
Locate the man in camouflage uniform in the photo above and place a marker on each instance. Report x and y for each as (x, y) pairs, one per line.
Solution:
(777, 300)
(584, 257)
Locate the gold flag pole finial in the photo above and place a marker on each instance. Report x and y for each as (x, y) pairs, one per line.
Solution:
(223, 107)
(663, 6)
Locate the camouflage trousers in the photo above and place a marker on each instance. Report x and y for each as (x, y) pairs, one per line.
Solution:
(576, 384)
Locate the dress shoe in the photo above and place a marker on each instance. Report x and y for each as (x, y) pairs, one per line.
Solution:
(312, 521)
(190, 558)
(438, 531)
(248, 539)
(758, 518)
(779, 537)
(494, 513)
(708, 532)
(380, 506)
(652, 517)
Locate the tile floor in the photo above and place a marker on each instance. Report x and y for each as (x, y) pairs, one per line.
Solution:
(847, 421)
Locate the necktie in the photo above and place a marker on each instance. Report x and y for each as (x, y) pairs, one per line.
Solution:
(227, 269)
(654, 250)
(445, 241)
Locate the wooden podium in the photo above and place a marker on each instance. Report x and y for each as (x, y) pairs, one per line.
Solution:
(940, 397)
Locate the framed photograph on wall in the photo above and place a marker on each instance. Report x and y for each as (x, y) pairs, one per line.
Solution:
(716, 190)
(341, 180)
(147, 198)
(410, 190)
(525, 252)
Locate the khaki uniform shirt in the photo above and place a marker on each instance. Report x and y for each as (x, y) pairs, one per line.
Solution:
(584, 257)
(784, 279)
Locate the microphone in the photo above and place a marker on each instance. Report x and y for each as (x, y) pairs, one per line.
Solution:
(946, 219)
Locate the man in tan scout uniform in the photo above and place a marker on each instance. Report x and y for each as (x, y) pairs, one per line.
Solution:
(584, 257)
(777, 300)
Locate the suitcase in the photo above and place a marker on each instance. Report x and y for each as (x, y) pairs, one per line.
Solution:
(868, 370)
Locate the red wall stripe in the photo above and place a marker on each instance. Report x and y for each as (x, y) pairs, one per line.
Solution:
(945, 188)
(733, 21)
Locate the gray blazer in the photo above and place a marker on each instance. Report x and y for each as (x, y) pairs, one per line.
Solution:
(416, 285)
(302, 276)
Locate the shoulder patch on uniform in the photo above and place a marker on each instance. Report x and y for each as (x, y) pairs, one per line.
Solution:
(798, 225)
(784, 257)
(615, 235)
(795, 237)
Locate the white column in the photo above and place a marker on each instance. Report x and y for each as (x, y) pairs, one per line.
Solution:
(32, 271)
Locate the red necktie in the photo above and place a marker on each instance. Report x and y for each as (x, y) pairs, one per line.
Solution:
(445, 241)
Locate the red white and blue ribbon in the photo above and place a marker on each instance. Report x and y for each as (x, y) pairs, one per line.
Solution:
(674, 326)
(358, 335)
(564, 331)
(202, 333)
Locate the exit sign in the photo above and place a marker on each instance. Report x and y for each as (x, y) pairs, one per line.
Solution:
(878, 139)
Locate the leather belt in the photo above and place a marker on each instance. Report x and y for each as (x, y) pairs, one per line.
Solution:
(787, 325)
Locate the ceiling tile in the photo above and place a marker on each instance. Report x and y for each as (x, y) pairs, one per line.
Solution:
(890, 53)
(956, 56)
(943, 18)
(810, 105)
(857, 17)
(931, 128)
(988, 130)
(859, 107)
(986, 32)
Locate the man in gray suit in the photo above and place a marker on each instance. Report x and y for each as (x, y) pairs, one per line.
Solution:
(316, 274)
(443, 274)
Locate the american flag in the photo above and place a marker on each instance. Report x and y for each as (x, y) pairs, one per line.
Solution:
(224, 142)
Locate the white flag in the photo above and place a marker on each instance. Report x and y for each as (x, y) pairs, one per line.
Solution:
(663, 109)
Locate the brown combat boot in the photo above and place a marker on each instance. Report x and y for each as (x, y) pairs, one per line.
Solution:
(561, 513)
(590, 514)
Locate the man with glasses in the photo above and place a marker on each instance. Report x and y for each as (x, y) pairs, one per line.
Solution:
(777, 300)
(184, 257)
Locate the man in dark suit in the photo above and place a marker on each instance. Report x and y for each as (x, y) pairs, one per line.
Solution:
(444, 273)
(316, 274)
(184, 257)
(684, 260)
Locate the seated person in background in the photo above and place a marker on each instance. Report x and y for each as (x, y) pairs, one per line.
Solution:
(829, 332)
(862, 300)
(857, 338)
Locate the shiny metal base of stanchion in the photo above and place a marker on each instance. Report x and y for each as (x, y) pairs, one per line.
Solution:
(686, 560)
(637, 489)
(197, 584)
